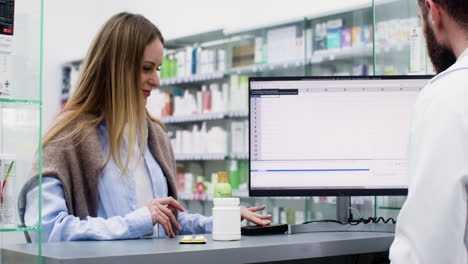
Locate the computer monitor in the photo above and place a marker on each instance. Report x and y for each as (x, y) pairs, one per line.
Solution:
(337, 136)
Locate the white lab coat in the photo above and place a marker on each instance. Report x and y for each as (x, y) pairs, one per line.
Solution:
(431, 227)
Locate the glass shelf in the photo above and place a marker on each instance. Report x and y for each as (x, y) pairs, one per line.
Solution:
(17, 229)
(389, 208)
(5, 100)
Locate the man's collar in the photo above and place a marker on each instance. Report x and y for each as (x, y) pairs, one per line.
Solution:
(464, 54)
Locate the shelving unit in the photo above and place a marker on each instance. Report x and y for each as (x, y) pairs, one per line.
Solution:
(199, 69)
(199, 78)
(20, 114)
(213, 156)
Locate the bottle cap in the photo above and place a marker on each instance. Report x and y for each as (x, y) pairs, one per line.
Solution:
(226, 201)
(222, 177)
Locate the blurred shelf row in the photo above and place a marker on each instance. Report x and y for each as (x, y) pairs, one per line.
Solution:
(203, 117)
(348, 53)
(211, 156)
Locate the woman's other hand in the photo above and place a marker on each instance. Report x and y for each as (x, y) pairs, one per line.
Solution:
(161, 210)
(248, 213)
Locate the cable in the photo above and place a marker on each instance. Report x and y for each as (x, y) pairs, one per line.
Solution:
(350, 215)
(325, 221)
(373, 220)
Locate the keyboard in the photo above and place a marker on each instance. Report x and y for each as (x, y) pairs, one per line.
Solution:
(253, 230)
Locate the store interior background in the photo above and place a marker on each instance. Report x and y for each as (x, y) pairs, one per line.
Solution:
(69, 26)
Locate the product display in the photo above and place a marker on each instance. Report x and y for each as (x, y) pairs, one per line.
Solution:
(8, 195)
(6, 48)
(193, 60)
(21, 106)
(334, 33)
(221, 98)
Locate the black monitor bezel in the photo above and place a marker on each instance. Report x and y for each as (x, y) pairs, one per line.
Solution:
(324, 192)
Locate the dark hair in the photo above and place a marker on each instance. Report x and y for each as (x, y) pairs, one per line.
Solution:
(457, 9)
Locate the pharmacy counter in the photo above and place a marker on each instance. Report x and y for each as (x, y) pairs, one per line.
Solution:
(248, 250)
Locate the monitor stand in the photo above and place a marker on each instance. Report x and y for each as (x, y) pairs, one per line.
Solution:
(342, 215)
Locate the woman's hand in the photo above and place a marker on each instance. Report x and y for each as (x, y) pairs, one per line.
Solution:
(161, 210)
(248, 213)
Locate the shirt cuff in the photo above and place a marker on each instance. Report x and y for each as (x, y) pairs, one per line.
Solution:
(209, 224)
(139, 222)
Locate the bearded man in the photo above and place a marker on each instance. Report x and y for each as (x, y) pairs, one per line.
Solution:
(431, 227)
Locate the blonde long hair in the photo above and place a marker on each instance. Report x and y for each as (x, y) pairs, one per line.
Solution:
(109, 86)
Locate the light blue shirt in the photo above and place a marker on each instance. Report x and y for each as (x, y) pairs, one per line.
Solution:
(117, 215)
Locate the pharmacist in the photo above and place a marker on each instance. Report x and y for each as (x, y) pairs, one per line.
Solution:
(431, 227)
(108, 165)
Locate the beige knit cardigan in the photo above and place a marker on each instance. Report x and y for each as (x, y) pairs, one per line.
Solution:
(77, 163)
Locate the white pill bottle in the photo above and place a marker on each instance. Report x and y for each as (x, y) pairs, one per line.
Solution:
(226, 219)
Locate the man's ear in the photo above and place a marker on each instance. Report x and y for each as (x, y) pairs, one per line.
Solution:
(434, 14)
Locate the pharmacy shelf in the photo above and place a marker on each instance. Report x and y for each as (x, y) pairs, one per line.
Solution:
(382, 48)
(203, 117)
(239, 113)
(195, 157)
(243, 194)
(239, 156)
(194, 196)
(197, 78)
(209, 197)
(317, 57)
(182, 42)
(192, 118)
(341, 54)
(240, 193)
(211, 156)
(266, 67)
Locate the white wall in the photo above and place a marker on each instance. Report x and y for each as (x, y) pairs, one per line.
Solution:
(69, 26)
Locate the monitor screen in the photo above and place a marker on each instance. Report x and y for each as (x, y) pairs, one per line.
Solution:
(330, 136)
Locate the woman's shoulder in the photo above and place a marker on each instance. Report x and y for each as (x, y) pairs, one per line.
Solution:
(156, 124)
(71, 123)
(157, 130)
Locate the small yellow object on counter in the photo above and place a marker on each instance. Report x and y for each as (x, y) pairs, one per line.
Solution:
(193, 240)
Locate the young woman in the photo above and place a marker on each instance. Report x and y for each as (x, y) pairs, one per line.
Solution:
(108, 166)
